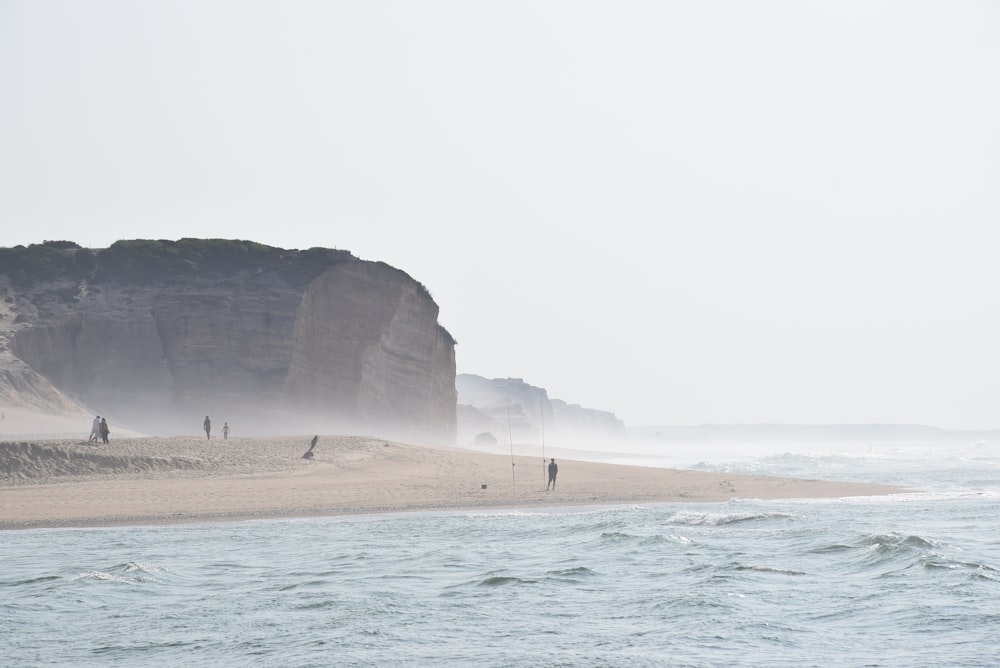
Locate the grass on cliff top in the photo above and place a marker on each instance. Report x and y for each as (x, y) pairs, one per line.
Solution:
(143, 261)
(146, 260)
(43, 262)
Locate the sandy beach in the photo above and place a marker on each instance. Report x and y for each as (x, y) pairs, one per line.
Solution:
(70, 483)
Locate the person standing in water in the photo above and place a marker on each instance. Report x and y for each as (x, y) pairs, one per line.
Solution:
(553, 470)
(208, 428)
(225, 431)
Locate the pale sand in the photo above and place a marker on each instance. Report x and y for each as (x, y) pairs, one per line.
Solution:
(63, 483)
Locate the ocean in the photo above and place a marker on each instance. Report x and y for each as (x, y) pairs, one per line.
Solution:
(902, 580)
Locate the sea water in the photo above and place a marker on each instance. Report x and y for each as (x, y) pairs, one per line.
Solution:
(902, 580)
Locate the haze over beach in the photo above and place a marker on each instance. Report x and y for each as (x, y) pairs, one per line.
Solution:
(683, 214)
(730, 265)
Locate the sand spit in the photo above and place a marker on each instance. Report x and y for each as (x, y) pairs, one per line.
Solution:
(58, 483)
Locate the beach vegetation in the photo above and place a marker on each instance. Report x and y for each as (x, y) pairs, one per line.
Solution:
(150, 260)
(25, 265)
(61, 245)
(85, 259)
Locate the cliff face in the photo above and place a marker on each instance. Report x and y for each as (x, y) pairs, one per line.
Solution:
(159, 334)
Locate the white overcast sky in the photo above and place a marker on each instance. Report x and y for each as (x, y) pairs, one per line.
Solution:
(680, 212)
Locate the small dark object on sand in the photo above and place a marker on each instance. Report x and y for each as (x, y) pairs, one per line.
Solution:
(312, 444)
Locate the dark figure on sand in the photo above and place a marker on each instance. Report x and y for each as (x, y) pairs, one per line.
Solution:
(95, 430)
(312, 446)
(225, 431)
(105, 430)
(553, 470)
(208, 428)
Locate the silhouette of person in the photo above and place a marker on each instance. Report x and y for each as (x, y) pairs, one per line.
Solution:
(225, 431)
(312, 445)
(208, 428)
(553, 470)
(105, 430)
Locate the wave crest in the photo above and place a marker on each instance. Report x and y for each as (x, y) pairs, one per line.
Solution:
(692, 518)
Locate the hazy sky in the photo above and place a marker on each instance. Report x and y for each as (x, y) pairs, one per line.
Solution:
(680, 212)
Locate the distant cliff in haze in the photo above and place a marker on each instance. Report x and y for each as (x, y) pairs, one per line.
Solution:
(509, 408)
(157, 334)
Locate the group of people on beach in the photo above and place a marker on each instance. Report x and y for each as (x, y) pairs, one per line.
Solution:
(99, 430)
(207, 425)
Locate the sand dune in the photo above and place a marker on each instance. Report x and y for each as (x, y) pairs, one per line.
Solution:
(51, 483)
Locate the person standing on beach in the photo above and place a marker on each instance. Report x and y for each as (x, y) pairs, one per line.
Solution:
(105, 430)
(95, 430)
(553, 470)
(225, 431)
(208, 428)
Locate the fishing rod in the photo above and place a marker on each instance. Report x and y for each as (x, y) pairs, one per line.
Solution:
(542, 419)
(510, 437)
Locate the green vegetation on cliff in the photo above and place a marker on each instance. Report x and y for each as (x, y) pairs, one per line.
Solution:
(47, 261)
(144, 261)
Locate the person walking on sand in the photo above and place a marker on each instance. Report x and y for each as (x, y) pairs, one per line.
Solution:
(208, 428)
(105, 430)
(553, 470)
(95, 430)
(225, 431)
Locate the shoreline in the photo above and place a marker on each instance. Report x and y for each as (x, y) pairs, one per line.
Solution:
(153, 481)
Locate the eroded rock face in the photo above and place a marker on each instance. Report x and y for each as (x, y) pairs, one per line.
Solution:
(271, 341)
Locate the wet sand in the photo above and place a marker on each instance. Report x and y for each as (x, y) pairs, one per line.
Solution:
(70, 483)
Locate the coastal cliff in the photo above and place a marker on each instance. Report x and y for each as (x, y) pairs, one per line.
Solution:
(158, 334)
(510, 408)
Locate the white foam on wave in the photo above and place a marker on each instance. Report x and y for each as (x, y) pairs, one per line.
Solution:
(695, 518)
